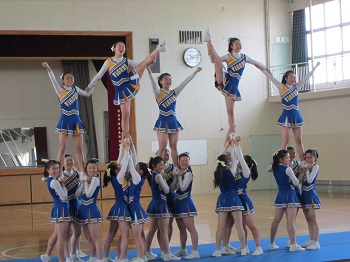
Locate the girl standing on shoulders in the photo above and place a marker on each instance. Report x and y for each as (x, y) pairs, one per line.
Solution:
(118, 215)
(167, 126)
(246, 169)
(126, 84)
(290, 118)
(286, 200)
(184, 208)
(88, 214)
(227, 81)
(228, 203)
(157, 210)
(70, 122)
(60, 210)
(309, 198)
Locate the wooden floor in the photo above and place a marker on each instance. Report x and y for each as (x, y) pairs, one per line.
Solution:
(25, 229)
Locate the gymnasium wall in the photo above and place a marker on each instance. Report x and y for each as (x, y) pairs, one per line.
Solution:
(28, 98)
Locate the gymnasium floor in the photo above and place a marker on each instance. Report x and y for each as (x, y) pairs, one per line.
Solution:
(25, 229)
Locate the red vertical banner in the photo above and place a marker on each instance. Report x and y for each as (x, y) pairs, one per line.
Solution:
(114, 119)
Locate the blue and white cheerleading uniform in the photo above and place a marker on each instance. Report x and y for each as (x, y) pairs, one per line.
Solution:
(70, 122)
(286, 196)
(309, 197)
(296, 169)
(126, 84)
(119, 211)
(158, 207)
(290, 116)
(241, 188)
(88, 211)
(183, 203)
(167, 121)
(170, 179)
(229, 86)
(137, 213)
(60, 209)
(72, 184)
(228, 199)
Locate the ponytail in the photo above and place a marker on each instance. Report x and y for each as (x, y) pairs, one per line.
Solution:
(277, 156)
(252, 165)
(219, 172)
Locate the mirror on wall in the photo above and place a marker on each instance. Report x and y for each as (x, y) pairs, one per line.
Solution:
(22, 146)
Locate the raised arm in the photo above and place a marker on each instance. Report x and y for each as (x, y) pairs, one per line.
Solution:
(57, 87)
(186, 81)
(239, 154)
(272, 79)
(136, 178)
(155, 87)
(303, 81)
(99, 75)
(124, 165)
(256, 63)
(233, 159)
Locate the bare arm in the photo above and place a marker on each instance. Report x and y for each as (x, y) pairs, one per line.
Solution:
(186, 81)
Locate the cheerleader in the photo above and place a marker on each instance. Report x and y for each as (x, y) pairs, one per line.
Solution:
(228, 203)
(286, 200)
(88, 213)
(70, 122)
(227, 81)
(290, 118)
(157, 210)
(246, 169)
(184, 209)
(126, 84)
(167, 126)
(60, 210)
(118, 215)
(309, 199)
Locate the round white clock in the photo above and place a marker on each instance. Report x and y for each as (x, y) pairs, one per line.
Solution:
(192, 57)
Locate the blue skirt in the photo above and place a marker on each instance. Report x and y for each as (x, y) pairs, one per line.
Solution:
(89, 214)
(70, 125)
(247, 204)
(158, 209)
(73, 208)
(309, 199)
(184, 207)
(170, 197)
(229, 87)
(137, 213)
(60, 213)
(167, 124)
(228, 201)
(127, 90)
(290, 118)
(287, 199)
(119, 211)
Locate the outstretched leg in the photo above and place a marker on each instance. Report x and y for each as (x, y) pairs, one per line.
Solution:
(219, 76)
(62, 146)
(162, 143)
(78, 147)
(150, 59)
(285, 137)
(297, 132)
(125, 110)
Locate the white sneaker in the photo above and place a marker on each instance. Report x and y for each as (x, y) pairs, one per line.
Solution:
(308, 243)
(74, 258)
(181, 252)
(149, 256)
(227, 251)
(92, 259)
(170, 257)
(108, 259)
(244, 251)
(207, 36)
(137, 259)
(296, 247)
(238, 250)
(315, 245)
(145, 258)
(125, 260)
(273, 246)
(193, 255)
(232, 248)
(81, 254)
(45, 258)
(162, 254)
(216, 253)
(258, 251)
(69, 260)
(162, 46)
(232, 136)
